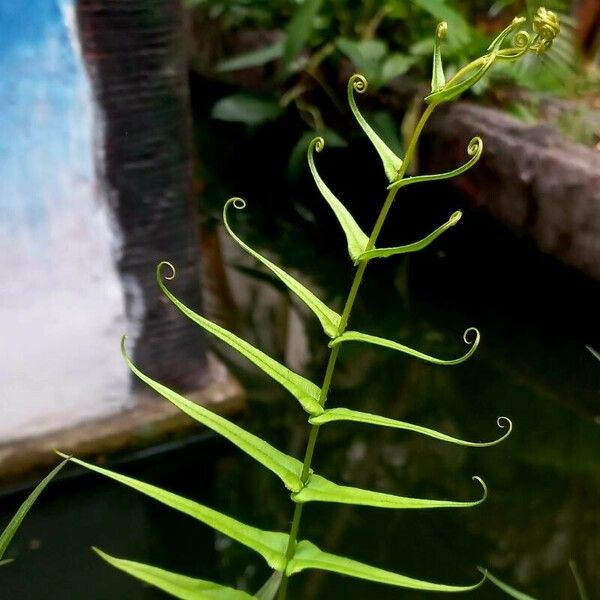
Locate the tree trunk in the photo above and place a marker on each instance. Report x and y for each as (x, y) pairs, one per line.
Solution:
(134, 51)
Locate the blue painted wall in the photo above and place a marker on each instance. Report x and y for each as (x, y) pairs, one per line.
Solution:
(61, 301)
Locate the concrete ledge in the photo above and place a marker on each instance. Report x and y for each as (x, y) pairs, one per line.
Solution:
(529, 177)
(152, 420)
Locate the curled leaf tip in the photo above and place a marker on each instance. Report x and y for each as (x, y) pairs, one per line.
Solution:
(160, 271)
(358, 83)
(475, 147)
(237, 202)
(316, 145)
(123, 344)
(483, 485)
(441, 30)
(505, 422)
(455, 217)
(467, 337)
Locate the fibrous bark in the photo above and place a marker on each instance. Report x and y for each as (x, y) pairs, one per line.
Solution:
(135, 57)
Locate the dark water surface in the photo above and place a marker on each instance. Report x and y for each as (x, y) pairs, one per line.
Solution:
(535, 317)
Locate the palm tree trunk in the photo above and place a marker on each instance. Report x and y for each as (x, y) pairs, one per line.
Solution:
(134, 52)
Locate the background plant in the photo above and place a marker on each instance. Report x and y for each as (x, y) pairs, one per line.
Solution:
(304, 44)
(283, 552)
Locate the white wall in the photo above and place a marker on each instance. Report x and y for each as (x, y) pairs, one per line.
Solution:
(61, 302)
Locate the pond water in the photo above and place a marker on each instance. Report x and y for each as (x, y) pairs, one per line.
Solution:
(535, 317)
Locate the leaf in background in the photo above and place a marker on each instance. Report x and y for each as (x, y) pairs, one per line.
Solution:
(287, 468)
(328, 318)
(306, 392)
(319, 489)
(9, 532)
(395, 64)
(459, 31)
(297, 160)
(505, 587)
(246, 108)
(366, 56)
(345, 414)
(355, 336)
(270, 587)
(270, 545)
(249, 60)
(474, 150)
(179, 586)
(298, 31)
(414, 247)
(391, 162)
(437, 75)
(309, 556)
(356, 238)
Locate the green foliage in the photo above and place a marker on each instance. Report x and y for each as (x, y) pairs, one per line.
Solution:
(251, 109)
(355, 236)
(308, 556)
(345, 414)
(9, 532)
(511, 591)
(298, 31)
(306, 392)
(283, 552)
(330, 320)
(179, 586)
(355, 336)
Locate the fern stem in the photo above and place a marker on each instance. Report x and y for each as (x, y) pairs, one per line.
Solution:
(333, 355)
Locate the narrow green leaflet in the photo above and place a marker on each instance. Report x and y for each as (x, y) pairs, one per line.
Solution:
(474, 150)
(286, 467)
(345, 414)
(594, 352)
(355, 236)
(329, 319)
(306, 392)
(319, 489)
(179, 586)
(270, 587)
(511, 591)
(583, 595)
(355, 336)
(9, 532)
(437, 76)
(415, 246)
(255, 58)
(309, 556)
(391, 162)
(270, 545)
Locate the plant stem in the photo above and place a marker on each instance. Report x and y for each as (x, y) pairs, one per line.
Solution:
(333, 355)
